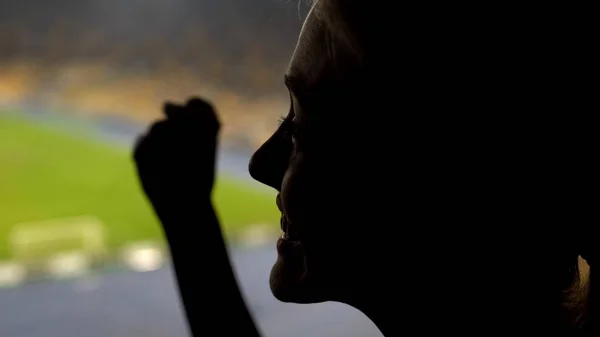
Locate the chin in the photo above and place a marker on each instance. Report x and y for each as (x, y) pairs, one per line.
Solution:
(289, 284)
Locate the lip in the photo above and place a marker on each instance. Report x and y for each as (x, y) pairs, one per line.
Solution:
(283, 223)
(288, 247)
(278, 202)
(283, 220)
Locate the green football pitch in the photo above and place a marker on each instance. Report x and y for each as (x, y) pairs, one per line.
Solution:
(52, 173)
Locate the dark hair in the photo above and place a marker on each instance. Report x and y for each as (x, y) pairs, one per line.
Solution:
(573, 281)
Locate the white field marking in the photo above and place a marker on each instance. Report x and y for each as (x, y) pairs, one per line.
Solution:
(258, 235)
(48, 235)
(68, 264)
(11, 273)
(143, 256)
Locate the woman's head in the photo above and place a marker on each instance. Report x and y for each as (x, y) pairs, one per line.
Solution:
(313, 160)
(390, 175)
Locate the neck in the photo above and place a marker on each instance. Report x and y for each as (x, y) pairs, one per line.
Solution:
(381, 310)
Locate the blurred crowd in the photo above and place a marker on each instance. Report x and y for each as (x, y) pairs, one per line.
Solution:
(126, 58)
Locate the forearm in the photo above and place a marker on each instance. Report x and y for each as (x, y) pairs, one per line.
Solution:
(207, 283)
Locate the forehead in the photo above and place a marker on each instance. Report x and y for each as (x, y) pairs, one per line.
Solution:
(312, 58)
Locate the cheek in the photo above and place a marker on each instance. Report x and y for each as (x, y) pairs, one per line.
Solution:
(295, 194)
(308, 196)
(299, 188)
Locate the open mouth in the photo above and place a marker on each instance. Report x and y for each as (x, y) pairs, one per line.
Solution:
(288, 232)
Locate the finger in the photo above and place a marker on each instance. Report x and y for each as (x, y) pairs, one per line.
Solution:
(172, 110)
(200, 108)
(158, 128)
(204, 111)
(139, 148)
(143, 145)
(199, 104)
(157, 140)
(140, 144)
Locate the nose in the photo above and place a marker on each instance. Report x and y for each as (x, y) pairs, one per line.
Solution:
(270, 162)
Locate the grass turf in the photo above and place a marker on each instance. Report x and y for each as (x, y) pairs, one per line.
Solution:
(47, 173)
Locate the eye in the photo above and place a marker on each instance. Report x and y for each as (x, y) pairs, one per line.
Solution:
(289, 127)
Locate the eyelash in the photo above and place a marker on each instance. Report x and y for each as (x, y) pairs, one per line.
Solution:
(280, 120)
(289, 126)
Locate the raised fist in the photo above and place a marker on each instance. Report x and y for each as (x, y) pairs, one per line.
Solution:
(176, 157)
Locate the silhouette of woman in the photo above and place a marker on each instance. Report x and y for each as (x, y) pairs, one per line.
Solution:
(417, 181)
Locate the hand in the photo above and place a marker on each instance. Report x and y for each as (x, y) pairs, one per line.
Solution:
(176, 158)
(176, 165)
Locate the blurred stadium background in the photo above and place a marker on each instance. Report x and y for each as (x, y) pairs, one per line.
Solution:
(81, 253)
